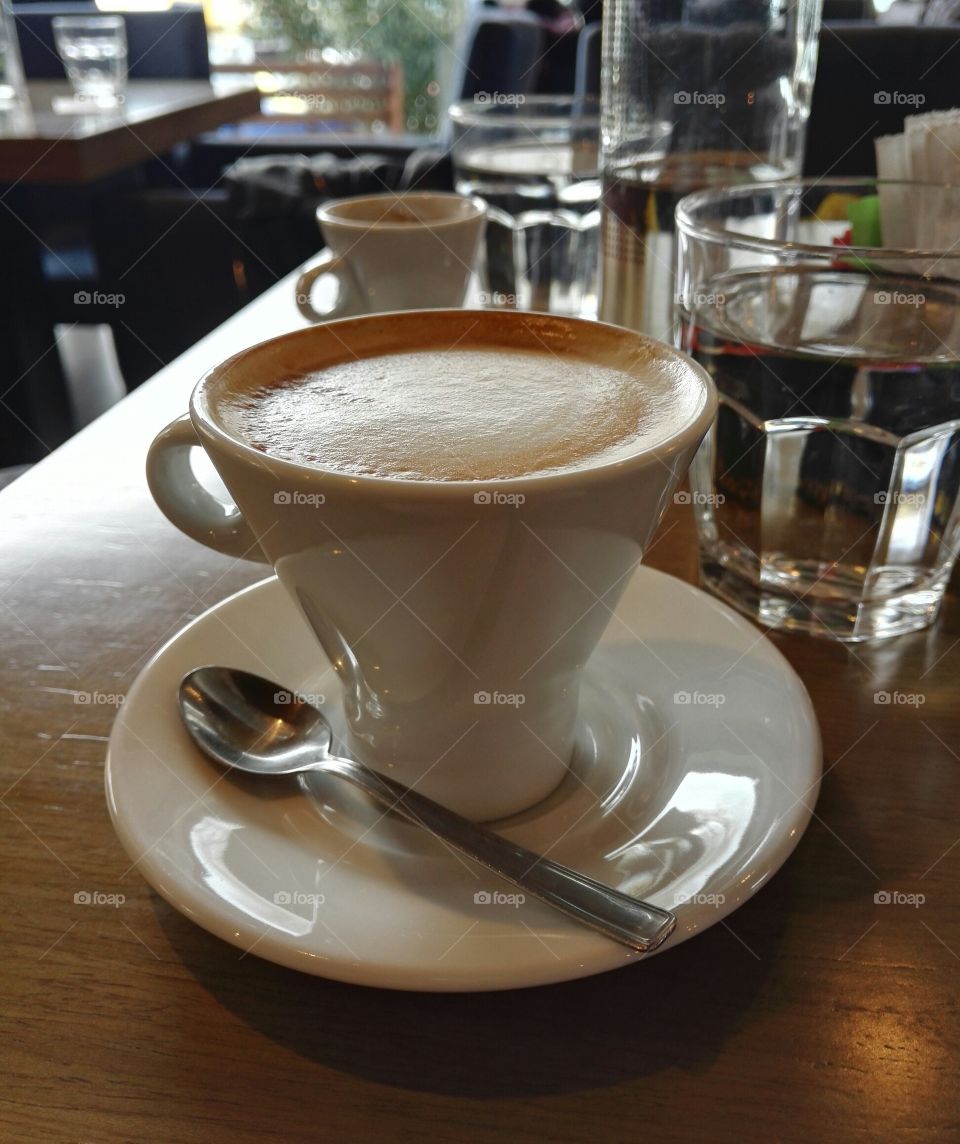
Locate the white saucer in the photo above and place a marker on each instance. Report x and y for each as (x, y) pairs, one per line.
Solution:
(691, 803)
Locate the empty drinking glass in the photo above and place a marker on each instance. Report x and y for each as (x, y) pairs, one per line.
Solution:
(94, 53)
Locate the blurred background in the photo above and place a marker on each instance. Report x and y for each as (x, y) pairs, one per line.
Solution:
(353, 99)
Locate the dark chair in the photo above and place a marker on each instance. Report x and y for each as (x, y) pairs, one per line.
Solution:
(727, 57)
(273, 202)
(171, 259)
(869, 77)
(562, 24)
(502, 51)
(35, 413)
(848, 10)
(160, 45)
(864, 74)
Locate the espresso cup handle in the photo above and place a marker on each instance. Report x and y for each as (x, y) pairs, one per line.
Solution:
(187, 504)
(347, 302)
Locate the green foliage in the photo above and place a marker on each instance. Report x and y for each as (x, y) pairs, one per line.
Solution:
(418, 33)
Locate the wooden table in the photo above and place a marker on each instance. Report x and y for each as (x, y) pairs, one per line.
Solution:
(813, 1014)
(40, 144)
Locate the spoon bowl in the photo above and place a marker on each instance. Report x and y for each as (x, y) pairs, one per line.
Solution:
(242, 720)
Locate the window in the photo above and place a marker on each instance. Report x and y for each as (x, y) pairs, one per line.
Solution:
(351, 66)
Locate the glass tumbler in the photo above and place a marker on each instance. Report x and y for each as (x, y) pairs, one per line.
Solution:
(533, 160)
(826, 495)
(12, 84)
(94, 53)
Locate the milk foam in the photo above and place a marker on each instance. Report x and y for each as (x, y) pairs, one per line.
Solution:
(466, 414)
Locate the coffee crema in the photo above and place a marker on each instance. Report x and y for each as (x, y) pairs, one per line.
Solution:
(472, 413)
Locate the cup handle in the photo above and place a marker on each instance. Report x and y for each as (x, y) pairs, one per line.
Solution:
(348, 296)
(187, 504)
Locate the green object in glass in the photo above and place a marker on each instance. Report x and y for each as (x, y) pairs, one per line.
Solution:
(864, 216)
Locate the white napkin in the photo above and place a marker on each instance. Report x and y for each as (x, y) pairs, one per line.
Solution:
(928, 151)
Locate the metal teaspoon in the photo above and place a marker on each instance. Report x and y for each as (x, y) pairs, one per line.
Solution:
(234, 718)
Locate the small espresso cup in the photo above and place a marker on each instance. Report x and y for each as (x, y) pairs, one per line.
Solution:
(458, 614)
(395, 252)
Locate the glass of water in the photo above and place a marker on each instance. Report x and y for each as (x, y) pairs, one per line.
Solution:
(94, 53)
(826, 495)
(533, 159)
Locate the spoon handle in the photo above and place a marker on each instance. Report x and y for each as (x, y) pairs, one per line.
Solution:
(631, 922)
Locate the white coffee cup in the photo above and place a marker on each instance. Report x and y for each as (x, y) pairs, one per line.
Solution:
(458, 614)
(395, 252)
